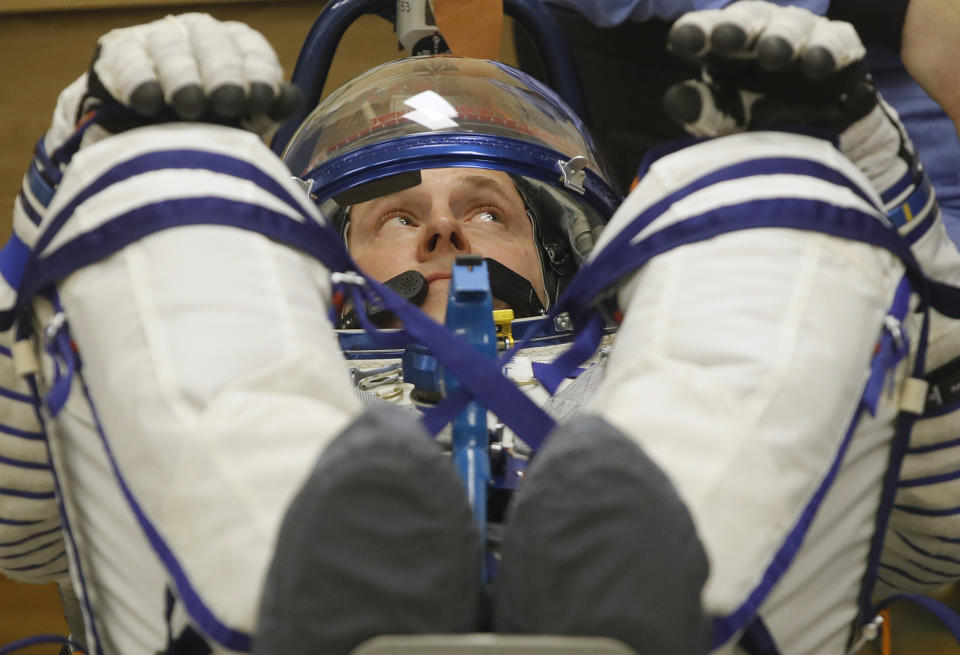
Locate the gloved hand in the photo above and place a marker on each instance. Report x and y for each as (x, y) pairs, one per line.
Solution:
(189, 67)
(764, 66)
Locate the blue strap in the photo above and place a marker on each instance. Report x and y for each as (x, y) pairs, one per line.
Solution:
(481, 378)
(39, 187)
(59, 347)
(526, 419)
(551, 375)
(947, 615)
(46, 166)
(898, 450)
(539, 368)
(13, 260)
(914, 203)
(65, 366)
(891, 350)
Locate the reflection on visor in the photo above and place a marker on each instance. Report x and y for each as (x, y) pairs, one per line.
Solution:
(431, 111)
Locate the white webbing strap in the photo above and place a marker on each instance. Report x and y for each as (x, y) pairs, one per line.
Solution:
(24, 358)
(914, 397)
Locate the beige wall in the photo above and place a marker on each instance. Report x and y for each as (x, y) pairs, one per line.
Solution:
(20, 6)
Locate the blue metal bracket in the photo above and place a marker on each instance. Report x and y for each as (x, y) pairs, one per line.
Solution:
(470, 316)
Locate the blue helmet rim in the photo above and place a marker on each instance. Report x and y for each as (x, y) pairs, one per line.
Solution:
(452, 150)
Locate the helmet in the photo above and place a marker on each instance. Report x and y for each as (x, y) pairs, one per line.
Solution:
(378, 133)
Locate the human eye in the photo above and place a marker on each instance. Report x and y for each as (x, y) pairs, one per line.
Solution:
(487, 215)
(397, 219)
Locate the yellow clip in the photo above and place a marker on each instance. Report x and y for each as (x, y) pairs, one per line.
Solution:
(502, 318)
(907, 212)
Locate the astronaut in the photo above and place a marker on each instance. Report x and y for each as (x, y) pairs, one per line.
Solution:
(219, 487)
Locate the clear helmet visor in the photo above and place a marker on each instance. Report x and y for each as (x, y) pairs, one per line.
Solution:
(425, 95)
(470, 153)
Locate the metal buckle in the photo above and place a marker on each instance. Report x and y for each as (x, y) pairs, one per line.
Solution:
(573, 173)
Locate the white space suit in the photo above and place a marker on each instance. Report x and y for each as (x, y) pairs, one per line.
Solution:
(763, 369)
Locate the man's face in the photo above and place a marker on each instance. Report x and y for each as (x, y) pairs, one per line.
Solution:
(453, 211)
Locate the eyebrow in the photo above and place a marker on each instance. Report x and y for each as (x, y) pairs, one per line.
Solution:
(479, 182)
(482, 182)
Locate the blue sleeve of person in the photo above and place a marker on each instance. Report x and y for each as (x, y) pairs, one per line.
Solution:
(608, 13)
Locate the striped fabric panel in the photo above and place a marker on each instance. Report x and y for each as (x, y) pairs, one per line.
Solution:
(18, 558)
(903, 579)
(21, 437)
(32, 551)
(916, 564)
(25, 541)
(55, 571)
(923, 543)
(926, 548)
(31, 542)
(31, 539)
(46, 565)
(951, 475)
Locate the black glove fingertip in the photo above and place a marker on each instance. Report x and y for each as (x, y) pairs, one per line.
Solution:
(286, 102)
(259, 99)
(687, 41)
(682, 103)
(818, 63)
(227, 101)
(189, 102)
(774, 53)
(728, 38)
(147, 99)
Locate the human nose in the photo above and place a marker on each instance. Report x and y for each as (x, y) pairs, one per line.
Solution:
(444, 234)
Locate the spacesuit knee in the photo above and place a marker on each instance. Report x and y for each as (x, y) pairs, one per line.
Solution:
(738, 374)
(599, 543)
(379, 539)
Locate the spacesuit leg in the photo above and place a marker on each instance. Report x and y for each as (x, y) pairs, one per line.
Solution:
(740, 368)
(598, 543)
(210, 381)
(379, 540)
